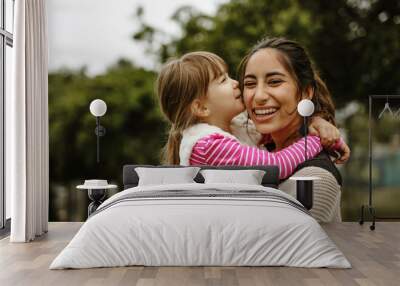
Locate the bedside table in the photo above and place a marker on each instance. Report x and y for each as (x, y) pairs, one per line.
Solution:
(96, 192)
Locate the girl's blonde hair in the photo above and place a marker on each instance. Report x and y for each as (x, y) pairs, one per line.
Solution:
(179, 82)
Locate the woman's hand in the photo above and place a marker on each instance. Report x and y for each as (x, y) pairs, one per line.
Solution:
(328, 133)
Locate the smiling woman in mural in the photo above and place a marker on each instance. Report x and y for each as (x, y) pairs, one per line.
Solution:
(274, 76)
(200, 100)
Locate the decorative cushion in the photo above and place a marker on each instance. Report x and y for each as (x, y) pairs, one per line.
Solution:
(270, 179)
(163, 176)
(248, 177)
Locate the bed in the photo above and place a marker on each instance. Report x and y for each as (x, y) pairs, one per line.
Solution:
(200, 224)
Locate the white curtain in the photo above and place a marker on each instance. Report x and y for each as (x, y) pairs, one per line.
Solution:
(27, 152)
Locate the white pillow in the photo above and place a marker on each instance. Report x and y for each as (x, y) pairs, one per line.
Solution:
(248, 177)
(164, 176)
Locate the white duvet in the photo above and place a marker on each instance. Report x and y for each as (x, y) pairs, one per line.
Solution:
(200, 231)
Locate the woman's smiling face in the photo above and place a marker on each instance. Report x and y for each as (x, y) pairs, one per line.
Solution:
(270, 92)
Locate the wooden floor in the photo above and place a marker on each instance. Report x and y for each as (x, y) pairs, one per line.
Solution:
(374, 255)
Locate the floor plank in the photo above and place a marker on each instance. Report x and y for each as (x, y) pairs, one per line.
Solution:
(375, 257)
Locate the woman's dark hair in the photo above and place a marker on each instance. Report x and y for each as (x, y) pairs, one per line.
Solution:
(297, 62)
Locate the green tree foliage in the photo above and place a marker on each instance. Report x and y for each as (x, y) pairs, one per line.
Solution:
(133, 121)
(133, 124)
(355, 43)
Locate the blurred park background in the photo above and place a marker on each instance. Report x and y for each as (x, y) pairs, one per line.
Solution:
(354, 43)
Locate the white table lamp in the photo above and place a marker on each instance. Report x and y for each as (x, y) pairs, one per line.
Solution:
(305, 108)
(304, 185)
(98, 108)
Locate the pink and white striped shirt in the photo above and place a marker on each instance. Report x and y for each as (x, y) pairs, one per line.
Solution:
(217, 149)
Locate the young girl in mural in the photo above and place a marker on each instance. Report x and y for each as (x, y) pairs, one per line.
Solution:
(200, 101)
